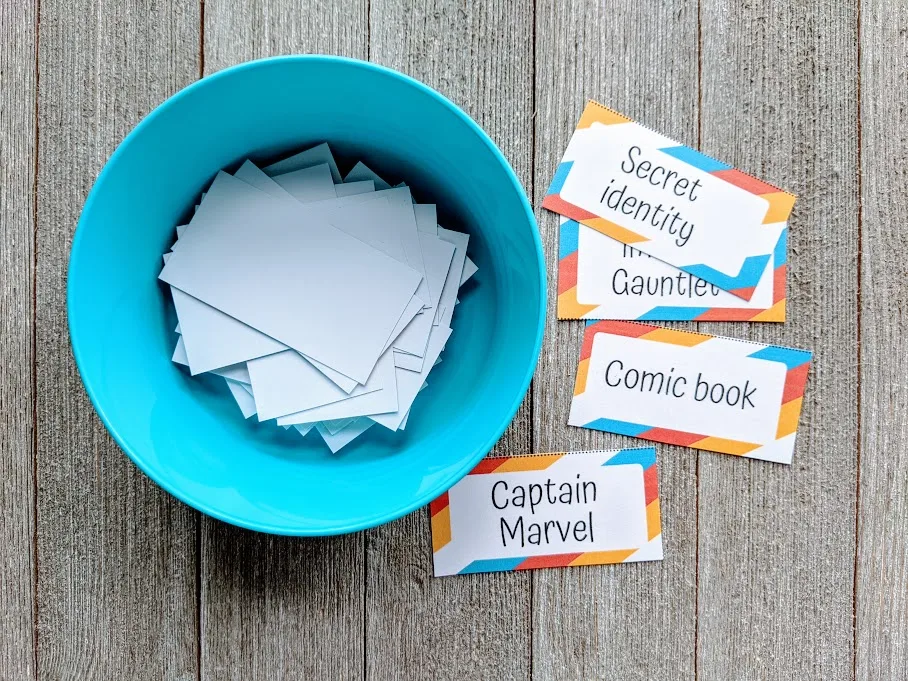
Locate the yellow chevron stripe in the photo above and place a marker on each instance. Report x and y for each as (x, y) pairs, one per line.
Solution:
(603, 557)
(569, 308)
(618, 232)
(582, 371)
(653, 519)
(596, 113)
(780, 205)
(673, 337)
(441, 528)
(788, 417)
(774, 314)
(528, 463)
(720, 444)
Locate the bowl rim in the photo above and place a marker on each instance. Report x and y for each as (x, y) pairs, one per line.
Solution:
(445, 482)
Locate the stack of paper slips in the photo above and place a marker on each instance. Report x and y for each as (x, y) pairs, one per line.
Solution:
(323, 302)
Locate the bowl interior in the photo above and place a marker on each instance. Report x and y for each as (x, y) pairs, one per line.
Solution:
(186, 433)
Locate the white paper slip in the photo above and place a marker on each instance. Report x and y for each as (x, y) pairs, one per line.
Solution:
(304, 428)
(237, 372)
(437, 254)
(384, 220)
(220, 341)
(401, 221)
(286, 383)
(549, 510)
(339, 440)
(309, 184)
(251, 175)
(337, 425)
(409, 362)
(409, 382)
(403, 423)
(297, 290)
(214, 340)
(374, 221)
(402, 202)
(243, 399)
(179, 353)
(452, 283)
(469, 269)
(378, 396)
(426, 217)
(362, 172)
(354, 188)
(241, 341)
(316, 156)
(412, 310)
(415, 336)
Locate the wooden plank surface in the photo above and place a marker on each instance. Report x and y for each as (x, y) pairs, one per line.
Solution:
(17, 483)
(280, 607)
(882, 556)
(763, 576)
(631, 621)
(116, 555)
(480, 56)
(776, 543)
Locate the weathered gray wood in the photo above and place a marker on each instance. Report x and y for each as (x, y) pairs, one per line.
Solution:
(478, 54)
(17, 482)
(116, 558)
(280, 607)
(240, 30)
(631, 621)
(776, 543)
(116, 555)
(276, 608)
(882, 552)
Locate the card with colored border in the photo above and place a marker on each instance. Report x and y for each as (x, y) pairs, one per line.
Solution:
(549, 510)
(674, 203)
(692, 389)
(601, 278)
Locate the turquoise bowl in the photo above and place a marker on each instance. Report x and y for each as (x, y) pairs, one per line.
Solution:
(186, 433)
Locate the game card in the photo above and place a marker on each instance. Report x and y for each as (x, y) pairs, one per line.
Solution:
(549, 510)
(693, 212)
(691, 389)
(601, 278)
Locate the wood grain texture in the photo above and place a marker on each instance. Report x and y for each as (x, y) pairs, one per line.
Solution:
(280, 607)
(273, 607)
(240, 30)
(882, 555)
(116, 555)
(634, 621)
(763, 576)
(776, 543)
(478, 54)
(17, 482)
